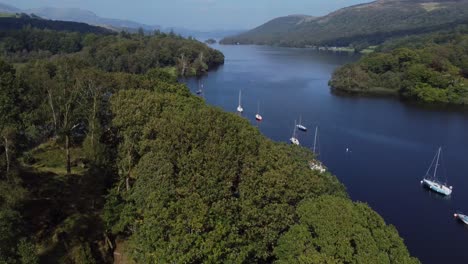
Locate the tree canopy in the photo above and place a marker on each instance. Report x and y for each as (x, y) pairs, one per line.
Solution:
(335, 230)
(199, 185)
(124, 52)
(430, 69)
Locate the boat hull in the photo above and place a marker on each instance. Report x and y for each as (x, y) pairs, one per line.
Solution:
(240, 109)
(294, 141)
(437, 187)
(463, 218)
(258, 117)
(302, 128)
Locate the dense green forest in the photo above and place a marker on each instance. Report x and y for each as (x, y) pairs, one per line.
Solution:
(132, 53)
(104, 155)
(430, 69)
(358, 26)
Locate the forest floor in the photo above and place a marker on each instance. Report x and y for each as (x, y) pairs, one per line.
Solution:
(62, 212)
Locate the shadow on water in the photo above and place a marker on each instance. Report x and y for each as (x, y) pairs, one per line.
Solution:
(415, 105)
(434, 195)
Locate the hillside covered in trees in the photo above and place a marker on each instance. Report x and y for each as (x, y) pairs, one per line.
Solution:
(20, 21)
(103, 154)
(359, 26)
(132, 53)
(429, 69)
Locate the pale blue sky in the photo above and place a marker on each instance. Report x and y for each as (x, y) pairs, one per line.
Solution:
(196, 14)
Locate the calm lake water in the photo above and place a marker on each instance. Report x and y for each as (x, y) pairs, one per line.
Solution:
(391, 143)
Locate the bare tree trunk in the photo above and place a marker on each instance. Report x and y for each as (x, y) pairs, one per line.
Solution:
(66, 125)
(108, 241)
(183, 61)
(67, 149)
(93, 124)
(201, 57)
(51, 104)
(7, 156)
(127, 179)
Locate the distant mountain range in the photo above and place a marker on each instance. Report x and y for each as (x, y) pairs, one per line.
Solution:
(8, 9)
(86, 16)
(89, 17)
(359, 25)
(17, 22)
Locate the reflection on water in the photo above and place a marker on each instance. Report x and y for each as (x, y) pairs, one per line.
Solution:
(434, 195)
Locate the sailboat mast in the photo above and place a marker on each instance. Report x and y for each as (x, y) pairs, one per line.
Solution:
(240, 94)
(294, 131)
(315, 138)
(437, 162)
(258, 107)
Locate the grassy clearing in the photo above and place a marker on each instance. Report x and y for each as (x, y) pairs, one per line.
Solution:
(7, 15)
(366, 51)
(63, 210)
(430, 6)
(50, 157)
(120, 254)
(342, 49)
(369, 49)
(171, 70)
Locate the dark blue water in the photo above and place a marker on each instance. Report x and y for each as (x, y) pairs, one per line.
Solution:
(392, 144)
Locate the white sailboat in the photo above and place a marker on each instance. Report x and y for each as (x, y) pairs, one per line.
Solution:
(258, 117)
(300, 126)
(200, 88)
(462, 217)
(239, 108)
(316, 164)
(294, 139)
(431, 181)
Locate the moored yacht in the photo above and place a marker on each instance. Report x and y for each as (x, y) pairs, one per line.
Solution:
(300, 126)
(462, 217)
(316, 164)
(294, 139)
(239, 108)
(258, 117)
(199, 91)
(432, 182)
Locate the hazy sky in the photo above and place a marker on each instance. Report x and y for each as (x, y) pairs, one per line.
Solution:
(196, 14)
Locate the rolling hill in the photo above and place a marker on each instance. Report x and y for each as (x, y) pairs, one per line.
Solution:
(86, 16)
(79, 15)
(359, 25)
(89, 17)
(4, 8)
(22, 21)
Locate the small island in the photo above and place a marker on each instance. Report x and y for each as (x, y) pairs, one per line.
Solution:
(418, 69)
(210, 41)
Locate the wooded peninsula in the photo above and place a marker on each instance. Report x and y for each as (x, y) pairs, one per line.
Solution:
(431, 69)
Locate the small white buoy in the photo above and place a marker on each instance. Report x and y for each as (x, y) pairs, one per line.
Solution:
(347, 149)
(455, 215)
(422, 182)
(451, 187)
